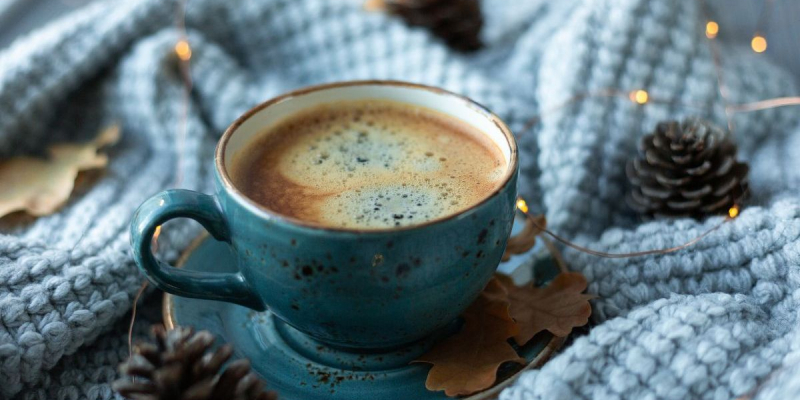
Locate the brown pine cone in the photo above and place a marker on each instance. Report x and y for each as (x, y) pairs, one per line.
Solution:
(686, 169)
(179, 366)
(457, 22)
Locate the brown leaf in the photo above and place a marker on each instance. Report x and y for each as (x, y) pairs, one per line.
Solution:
(526, 239)
(40, 186)
(374, 5)
(557, 308)
(467, 362)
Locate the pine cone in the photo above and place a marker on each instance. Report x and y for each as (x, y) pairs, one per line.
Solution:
(457, 22)
(686, 169)
(179, 367)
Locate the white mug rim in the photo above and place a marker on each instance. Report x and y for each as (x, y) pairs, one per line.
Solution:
(264, 212)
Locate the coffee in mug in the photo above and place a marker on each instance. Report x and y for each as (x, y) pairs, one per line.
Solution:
(369, 164)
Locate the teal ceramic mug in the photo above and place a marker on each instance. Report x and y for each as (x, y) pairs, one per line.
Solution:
(372, 289)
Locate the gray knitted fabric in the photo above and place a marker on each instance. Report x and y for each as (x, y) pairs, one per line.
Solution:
(716, 321)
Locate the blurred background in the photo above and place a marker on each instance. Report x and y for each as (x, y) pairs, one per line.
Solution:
(778, 19)
(18, 17)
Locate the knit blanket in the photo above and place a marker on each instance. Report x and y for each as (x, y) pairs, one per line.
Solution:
(718, 320)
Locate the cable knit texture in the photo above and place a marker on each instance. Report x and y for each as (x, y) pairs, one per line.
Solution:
(716, 321)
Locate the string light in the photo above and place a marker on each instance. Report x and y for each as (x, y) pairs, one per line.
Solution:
(759, 43)
(642, 97)
(183, 50)
(602, 254)
(639, 96)
(712, 29)
(522, 205)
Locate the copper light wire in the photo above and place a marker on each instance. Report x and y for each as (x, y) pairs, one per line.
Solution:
(133, 318)
(642, 97)
(765, 104)
(183, 52)
(602, 254)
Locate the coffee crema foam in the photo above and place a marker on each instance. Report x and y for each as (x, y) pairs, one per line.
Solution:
(369, 164)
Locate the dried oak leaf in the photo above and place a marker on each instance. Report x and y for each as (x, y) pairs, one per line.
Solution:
(40, 186)
(525, 239)
(467, 362)
(375, 5)
(557, 308)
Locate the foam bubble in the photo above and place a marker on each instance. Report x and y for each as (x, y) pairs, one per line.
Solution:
(384, 206)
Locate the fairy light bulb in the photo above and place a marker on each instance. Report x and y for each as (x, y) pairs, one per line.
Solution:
(522, 205)
(712, 29)
(759, 43)
(733, 212)
(639, 96)
(183, 50)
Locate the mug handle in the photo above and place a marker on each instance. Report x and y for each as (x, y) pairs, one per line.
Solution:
(177, 203)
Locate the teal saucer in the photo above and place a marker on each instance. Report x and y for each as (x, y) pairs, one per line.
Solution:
(300, 368)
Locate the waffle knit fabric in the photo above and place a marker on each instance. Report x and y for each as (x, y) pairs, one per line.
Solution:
(716, 321)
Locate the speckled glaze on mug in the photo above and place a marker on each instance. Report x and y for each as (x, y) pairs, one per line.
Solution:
(349, 288)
